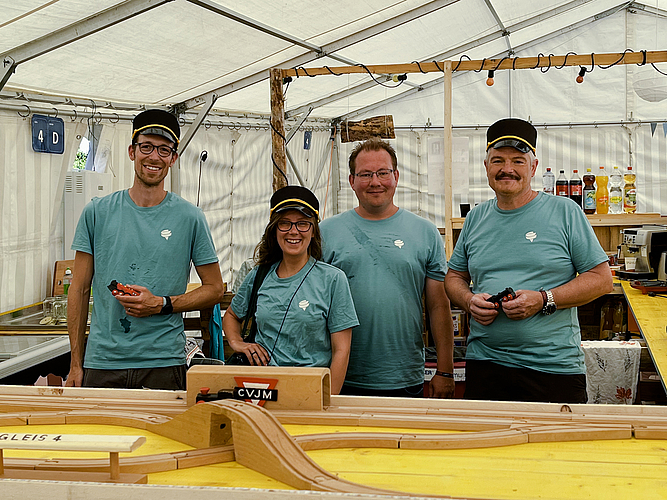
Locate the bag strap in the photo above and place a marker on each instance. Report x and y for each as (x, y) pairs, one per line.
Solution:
(262, 271)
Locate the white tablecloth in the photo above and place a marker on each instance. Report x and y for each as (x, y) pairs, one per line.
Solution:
(612, 371)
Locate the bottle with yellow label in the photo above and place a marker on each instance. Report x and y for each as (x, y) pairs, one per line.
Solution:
(602, 192)
(629, 192)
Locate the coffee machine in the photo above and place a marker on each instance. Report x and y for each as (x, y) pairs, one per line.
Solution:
(645, 244)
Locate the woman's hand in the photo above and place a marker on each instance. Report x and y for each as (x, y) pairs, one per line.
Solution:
(231, 325)
(255, 353)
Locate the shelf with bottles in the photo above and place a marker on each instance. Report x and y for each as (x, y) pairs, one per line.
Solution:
(635, 219)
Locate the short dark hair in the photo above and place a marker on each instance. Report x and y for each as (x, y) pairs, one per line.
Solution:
(373, 144)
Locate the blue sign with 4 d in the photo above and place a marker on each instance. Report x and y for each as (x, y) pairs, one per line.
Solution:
(48, 134)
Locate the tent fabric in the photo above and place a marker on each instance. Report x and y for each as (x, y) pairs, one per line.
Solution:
(177, 52)
(30, 199)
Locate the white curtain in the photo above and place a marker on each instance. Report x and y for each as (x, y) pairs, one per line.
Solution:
(30, 203)
(560, 148)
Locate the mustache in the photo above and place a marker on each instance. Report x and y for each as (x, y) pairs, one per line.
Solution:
(507, 176)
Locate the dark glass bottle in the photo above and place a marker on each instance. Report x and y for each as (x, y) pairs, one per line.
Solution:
(576, 188)
(562, 186)
(589, 192)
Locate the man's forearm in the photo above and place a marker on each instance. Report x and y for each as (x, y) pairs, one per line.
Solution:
(208, 294)
(458, 290)
(77, 318)
(199, 298)
(584, 288)
(440, 321)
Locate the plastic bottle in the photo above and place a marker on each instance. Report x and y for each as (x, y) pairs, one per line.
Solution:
(616, 191)
(549, 181)
(67, 280)
(562, 187)
(602, 193)
(576, 187)
(589, 192)
(629, 192)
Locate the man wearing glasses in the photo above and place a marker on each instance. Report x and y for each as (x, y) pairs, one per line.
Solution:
(391, 258)
(527, 348)
(145, 238)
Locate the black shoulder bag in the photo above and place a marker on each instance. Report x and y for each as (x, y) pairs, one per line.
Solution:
(249, 329)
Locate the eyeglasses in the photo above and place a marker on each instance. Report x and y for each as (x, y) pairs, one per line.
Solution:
(147, 148)
(382, 175)
(303, 226)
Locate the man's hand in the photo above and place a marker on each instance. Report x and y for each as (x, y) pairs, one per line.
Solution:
(441, 387)
(482, 311)
(526, 304)
(75, 377)
(142, 305)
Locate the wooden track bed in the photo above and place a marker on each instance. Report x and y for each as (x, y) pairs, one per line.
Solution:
(225, 431)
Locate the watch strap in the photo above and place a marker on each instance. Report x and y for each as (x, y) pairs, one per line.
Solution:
(549, 305)
(167, 307)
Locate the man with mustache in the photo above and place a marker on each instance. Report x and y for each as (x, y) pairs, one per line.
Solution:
(542, 246)
(391, 258)
(146, 238)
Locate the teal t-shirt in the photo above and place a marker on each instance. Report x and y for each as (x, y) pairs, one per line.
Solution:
(147, 246)
(387, 262)
(543, 244)
(322, 306)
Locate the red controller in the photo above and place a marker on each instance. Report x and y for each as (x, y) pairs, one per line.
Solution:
(120, 289)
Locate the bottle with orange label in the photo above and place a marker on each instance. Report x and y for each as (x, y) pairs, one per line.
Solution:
(602, 192)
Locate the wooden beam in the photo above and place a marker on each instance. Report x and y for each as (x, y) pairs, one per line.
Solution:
(278, 130)
(585, 60)
(447, 80)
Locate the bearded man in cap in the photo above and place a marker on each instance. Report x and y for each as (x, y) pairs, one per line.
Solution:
(542, 246)
(145, 238)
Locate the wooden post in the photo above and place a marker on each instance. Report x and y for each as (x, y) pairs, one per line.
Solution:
(278, 130)
(447, 80)
(114, 465)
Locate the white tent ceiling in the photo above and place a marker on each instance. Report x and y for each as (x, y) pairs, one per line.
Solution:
(178, 52)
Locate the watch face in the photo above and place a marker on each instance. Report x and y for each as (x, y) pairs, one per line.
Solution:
(550, 308)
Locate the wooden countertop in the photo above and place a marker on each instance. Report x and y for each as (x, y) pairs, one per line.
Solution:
(651, 316)
(637, 219)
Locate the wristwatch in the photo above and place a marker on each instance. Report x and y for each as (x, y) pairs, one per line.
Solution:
(167, 308)
(549, 306)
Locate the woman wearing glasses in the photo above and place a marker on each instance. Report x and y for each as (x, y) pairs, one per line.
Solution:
(305, 312)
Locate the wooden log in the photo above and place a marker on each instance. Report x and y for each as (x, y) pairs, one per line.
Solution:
(377, 126)
(278, 129)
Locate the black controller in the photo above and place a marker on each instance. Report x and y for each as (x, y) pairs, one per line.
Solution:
(504, 296)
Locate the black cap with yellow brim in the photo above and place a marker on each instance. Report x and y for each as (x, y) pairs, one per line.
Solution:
(512, 132)
(156, 122)
(296, 198)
